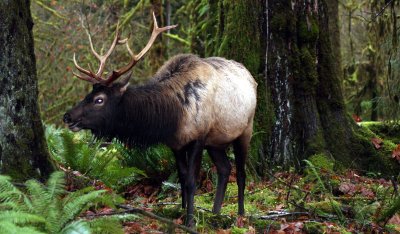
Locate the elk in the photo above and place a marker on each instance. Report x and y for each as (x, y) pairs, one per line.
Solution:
(190, 104)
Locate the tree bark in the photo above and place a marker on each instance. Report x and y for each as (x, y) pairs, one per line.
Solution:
(292, 37)
(23, 150)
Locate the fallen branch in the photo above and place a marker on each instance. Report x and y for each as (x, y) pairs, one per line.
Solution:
(129, 209)
(280, 214)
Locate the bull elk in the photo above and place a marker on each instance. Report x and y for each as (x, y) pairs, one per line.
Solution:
(190, 104)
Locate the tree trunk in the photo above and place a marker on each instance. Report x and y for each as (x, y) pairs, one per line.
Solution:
(23, 150)
(292, 76)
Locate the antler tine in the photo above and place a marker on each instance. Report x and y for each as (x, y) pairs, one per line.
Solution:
(91, 45)
(88, 74)
(84, 71)
(103, 58)
(86, 78)
(154, 34)
(135, 58)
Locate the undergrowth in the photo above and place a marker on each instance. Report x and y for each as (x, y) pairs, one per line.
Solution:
(37, 208)
(318, 201)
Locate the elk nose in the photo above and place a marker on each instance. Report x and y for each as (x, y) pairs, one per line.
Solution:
(67, 118)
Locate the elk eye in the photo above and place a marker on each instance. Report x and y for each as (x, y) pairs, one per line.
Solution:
(98, 101)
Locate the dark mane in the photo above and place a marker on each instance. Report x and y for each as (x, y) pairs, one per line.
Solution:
(149, 116)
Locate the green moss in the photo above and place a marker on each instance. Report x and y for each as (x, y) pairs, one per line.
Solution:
(385, 130)
(216, 221)
(314, 227)
(308, 74)
(278, 23)
(170, 212)
(245, 48)
(374, 160)
(308, 31)
(322, 161)
(324, 207)
(262, 225)
(315, 145)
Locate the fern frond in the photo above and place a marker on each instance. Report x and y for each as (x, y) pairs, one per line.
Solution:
(7, 187)
(10, 228)
(18, 217)
(39, 197)
(78, 227)
(53, 214)
(75, 206)
(69, 152)
(56, 184)
(106, 225)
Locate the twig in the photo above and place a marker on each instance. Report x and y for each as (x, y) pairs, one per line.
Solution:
(382, 10)
(395, 185)
(279, 214)
(197, 207)
(284, 182)
(51, 10)
(129, 209)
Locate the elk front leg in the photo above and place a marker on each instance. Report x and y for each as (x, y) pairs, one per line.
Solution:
(181, 163)
(195, 151)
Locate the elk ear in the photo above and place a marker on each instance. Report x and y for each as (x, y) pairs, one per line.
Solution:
(125, 82)
(123, 88)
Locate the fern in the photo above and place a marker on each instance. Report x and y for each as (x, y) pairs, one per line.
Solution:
(76, 205)
(333, 203)
(103, 163)
(390, 211)
(48, 209)
(9, 227)
(106, 225)
(18, 217)
(77, 227)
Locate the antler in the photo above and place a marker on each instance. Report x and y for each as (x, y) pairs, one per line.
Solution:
(97, 78)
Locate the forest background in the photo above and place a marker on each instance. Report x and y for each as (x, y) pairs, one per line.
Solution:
(349, 65)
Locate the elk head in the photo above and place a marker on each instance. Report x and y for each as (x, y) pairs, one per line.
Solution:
(98, 108)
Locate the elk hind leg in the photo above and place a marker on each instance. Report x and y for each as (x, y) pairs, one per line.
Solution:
(221, 161)
(240, 149)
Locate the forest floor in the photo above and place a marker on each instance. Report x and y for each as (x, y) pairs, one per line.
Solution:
(322, 202)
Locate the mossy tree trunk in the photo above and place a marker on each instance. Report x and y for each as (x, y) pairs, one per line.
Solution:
(23, 151)
(303, 73)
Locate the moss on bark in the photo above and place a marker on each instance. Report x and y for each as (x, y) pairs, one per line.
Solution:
(23, 151)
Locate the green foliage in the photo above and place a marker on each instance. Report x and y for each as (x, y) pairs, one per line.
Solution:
(74, 150)
(322, 161)
(44, 208)
(391, 210)
(156, 162)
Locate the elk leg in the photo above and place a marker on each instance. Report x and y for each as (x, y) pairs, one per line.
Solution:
(194, 160)
(240, 149)
(181, 163)
(221, 161)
